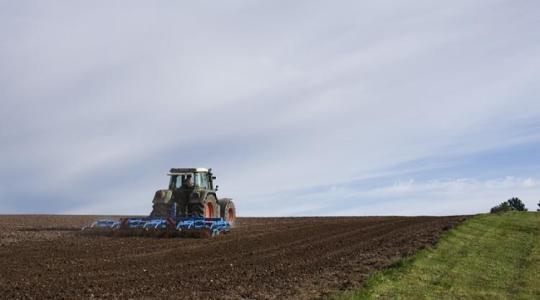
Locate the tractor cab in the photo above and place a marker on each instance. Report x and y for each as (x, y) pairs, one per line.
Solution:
(187, 178)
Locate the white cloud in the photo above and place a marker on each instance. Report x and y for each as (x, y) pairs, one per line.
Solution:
(274, 96)
(437, 197)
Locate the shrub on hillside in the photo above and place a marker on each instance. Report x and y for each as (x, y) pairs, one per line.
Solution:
(503, 207)
(517, 204)
(509, 205)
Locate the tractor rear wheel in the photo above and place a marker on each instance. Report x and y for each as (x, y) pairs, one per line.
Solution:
(208, 208)
(196, 209)
(160, 210)
(227, 210)
(181, 209)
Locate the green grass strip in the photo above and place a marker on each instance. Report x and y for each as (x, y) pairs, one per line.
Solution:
(494, 256)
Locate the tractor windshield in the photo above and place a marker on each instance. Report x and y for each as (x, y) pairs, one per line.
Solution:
(177, 180)
(201, 180)
(197, 179)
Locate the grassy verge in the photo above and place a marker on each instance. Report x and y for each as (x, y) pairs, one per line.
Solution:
(487, 257)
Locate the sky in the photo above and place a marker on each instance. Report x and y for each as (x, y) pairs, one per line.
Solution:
(302, 108)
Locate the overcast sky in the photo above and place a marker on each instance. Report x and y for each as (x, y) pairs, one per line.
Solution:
(301, 107)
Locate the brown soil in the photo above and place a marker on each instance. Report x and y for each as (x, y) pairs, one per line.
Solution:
(262, 258)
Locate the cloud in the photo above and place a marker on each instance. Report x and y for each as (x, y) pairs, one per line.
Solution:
(99, 100)
(410, 197)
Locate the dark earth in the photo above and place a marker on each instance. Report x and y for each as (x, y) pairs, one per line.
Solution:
(262, 258)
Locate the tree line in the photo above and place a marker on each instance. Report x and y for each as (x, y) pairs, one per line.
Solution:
(512, 204)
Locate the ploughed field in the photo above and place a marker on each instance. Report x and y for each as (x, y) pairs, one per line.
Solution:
(262, 258)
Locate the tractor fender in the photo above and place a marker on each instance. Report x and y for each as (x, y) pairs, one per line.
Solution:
(213, 194)
(162, 196)
(200, 196)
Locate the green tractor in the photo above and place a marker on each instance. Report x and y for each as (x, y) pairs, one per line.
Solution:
(194, 192)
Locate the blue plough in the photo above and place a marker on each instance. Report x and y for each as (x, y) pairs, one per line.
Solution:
(182, 226)
(188, 226)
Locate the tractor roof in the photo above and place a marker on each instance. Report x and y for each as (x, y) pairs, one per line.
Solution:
(179, 171)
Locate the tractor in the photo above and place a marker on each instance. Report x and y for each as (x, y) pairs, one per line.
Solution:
(193, 193)
(189, 207)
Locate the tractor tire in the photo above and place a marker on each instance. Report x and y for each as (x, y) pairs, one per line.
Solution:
(196, 210)
(208, 208)
(227, 210)
(211, 207)
(181, 209)
(160, 210)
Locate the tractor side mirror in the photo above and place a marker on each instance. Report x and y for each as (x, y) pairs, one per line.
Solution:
(217, 187)
(213, 177)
